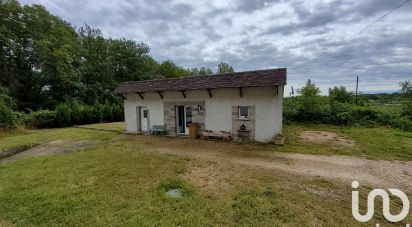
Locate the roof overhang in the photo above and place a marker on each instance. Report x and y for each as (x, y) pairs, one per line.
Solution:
(259, 78)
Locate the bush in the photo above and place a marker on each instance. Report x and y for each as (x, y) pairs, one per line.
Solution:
(97, 115)
(107, 113)
(21, 119)
(63, 115)
(118, 113)
(74, 113)
(338, 113)
(407, 109)
(6, 116)
(403, 123)
(43, 119)
(296, 109)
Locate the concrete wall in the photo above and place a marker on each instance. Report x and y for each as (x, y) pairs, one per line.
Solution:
(218, 109)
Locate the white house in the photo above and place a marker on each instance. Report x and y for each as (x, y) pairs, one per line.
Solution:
(248, 100)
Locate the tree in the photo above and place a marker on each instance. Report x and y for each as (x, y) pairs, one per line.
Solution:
(195, 72)
(37, 55)
(309, 90)
(169, 69)
(6, 99)
(307, 101)
(6, 109)
(44, 61)
(406, 89)
(129, 60)
(205, 71)
(224, 68)
(406, 92)
(340, 94)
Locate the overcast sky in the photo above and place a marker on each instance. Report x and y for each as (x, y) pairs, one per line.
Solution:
(263, 34)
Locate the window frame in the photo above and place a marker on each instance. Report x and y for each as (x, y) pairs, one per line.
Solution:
(239, 114)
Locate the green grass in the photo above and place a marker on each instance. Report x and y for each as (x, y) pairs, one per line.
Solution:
(372, 143)
(114, 126)
(112, 185)
(387, 108)
(47, 135)
(119, 183)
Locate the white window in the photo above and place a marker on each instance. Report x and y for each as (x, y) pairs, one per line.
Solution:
(243, 112)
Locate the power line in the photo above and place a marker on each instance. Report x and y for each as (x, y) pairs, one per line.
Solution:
(357, 33)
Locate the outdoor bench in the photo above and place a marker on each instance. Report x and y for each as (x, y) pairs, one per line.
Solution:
(158, 130)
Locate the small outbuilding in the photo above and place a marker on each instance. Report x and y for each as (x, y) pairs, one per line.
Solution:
(244, 104)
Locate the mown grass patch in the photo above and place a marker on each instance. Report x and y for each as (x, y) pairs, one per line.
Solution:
(120, 183)
(373, 143)
(113, 126)
(47, 135)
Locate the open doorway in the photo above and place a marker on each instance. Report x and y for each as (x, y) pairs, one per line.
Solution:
(183, 118)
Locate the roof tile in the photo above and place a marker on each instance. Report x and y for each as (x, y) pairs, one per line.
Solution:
(259, 78)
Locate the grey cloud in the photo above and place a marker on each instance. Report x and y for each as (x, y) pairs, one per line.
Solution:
(250, 6)
(195, 34)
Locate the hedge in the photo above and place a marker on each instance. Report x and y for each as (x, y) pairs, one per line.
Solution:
(65, 114)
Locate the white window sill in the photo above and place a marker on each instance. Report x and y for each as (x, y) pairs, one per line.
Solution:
(243, 119)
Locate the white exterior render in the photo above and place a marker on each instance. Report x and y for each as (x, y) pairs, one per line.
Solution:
(241, 105)
(218, 109)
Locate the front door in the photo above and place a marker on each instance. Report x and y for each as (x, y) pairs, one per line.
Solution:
(183, 118)
(143, 118)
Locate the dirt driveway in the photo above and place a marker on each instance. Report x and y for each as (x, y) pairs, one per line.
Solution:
(376, 173)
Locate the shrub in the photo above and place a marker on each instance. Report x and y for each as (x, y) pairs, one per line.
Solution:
(76, 112)
(43, 119)
(118, 114)
(363, 116)
(97, 115)
(21, 119)
(340, 94)
(403, 123)
(344, 114)
(63, 115)
(107, 113)
(407, 109)
(87, 114)
(6, 116)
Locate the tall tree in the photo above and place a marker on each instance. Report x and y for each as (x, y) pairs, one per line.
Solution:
(205, 71)
(406, 92)
(96, 67)
(169, 69)
(44, 61)
(56, 56)
(340, 94)
(308, 95)
(224, 68)
(129, 60)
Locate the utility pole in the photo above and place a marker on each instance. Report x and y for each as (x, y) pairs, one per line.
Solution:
(356, 95)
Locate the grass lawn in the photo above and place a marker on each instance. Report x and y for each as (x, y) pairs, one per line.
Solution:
(118, 183)
(46, 135)
(373, 143)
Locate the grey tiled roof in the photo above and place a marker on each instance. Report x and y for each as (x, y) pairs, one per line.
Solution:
(259, 78)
